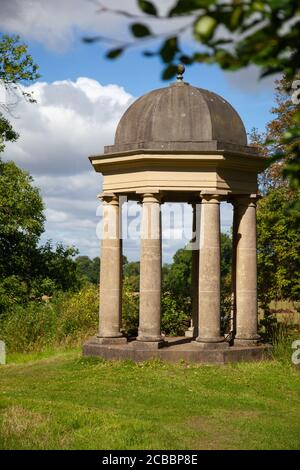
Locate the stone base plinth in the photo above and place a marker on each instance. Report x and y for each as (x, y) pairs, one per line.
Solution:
(246, 342)
(112, 340)
(174, 350)
(146, 345)
(189, 333)
(203, 345)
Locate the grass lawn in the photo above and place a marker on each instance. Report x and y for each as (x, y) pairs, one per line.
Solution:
(64, 401)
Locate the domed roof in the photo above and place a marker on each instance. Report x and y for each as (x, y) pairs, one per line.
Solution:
(179, 117)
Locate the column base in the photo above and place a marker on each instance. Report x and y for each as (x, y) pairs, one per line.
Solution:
(152, 345)
(247, 341)
(204, 344)
(190, 332)
(111, 340)
(149, 339)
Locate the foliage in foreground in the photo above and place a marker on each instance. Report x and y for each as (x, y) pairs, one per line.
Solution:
(234, 35)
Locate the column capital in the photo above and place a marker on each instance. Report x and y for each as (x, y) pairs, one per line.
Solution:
(151, 198)
(109, 198)
(245, 200)
(211, 198)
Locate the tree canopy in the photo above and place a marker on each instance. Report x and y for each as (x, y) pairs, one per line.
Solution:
(17, 67)
(27, 269)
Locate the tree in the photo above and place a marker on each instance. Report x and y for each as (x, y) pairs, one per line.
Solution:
(231, 34)
(178, 275)
(89, 268)
(271, 144)
(131, 273)
(28, 270)
(16, 68)
(278, 240)
(21, 218)
(177, 279)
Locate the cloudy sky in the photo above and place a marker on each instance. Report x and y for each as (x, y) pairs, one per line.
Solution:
(80, 99)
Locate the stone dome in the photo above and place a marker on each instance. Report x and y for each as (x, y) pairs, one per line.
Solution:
(179, 117)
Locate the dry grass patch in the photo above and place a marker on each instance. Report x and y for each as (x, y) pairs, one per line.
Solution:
(17, 420)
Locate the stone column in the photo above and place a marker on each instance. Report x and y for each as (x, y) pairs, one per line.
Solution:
(150, 272)
(246, 272)
(192, 331)
(210, 274)
(233, 269)
(110, 272)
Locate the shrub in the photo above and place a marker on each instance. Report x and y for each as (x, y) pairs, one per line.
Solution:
(174, 320)
(78, 315)
(29, 328)
(66, 318)
(130, 311)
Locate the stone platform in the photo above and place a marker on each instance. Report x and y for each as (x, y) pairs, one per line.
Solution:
(175, 349)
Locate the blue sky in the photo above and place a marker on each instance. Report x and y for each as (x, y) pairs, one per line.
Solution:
(251, 97)
(76, 117)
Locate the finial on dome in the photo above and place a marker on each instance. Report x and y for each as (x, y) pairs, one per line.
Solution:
(180, 72)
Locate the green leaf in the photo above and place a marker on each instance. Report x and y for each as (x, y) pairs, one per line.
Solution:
(169, 72)
(296, 117)
(147, 7)
(149, 53)
(204, 27)
(258, 6)
(114, 53)
(186, 60)
(236, 18)
(140, 30)
(183, 7)
(169, 49)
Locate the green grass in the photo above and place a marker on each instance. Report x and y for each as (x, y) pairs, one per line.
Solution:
(59, 400)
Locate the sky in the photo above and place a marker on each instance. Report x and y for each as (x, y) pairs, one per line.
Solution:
(81, 96)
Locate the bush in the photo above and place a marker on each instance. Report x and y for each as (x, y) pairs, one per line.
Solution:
(66, 318)
(13, 291)
(130, 310)
(29, 328)
(79, 315)
(274, 331)
(174, 320)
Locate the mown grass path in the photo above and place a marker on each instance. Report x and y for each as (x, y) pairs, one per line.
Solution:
(68, 402)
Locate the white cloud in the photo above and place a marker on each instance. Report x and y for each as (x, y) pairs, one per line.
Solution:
(56, 23)
(70, 121)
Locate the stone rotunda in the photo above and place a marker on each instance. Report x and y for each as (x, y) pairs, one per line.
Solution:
(180, 144)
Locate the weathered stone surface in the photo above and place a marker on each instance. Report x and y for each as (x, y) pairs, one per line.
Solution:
(209, 272)
(150, 345)
(211, 345)
(112, 340)
(150, 270)
(245, 271)
(175, 351)
(110, 273)
(179, 113)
